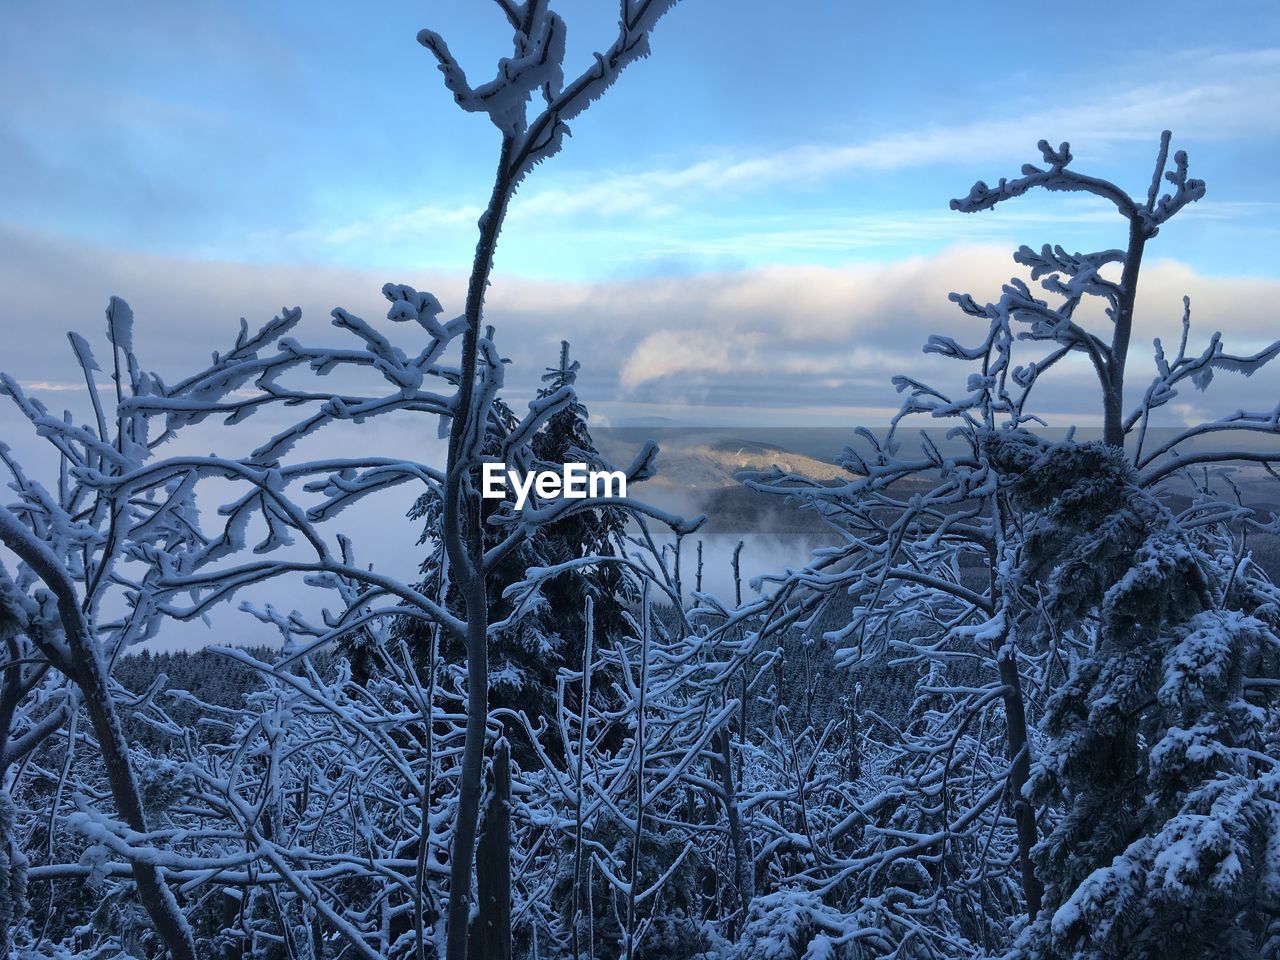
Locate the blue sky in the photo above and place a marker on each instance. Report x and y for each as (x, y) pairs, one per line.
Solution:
(789, 164)
(751, 228)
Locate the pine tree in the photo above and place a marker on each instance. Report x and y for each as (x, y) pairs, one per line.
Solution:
(527, 649)
(567, 439)
(1164, 846)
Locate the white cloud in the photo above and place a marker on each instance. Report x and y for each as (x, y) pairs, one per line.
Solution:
(784, 343)
(724, 210)
(673, 352)
(703, 208)
(397, 226)
(1209, 96)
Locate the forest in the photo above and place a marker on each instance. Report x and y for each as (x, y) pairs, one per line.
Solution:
(1022, 701)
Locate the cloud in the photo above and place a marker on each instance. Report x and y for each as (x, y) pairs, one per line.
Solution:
(786, 343)
(398, 226)
(674, 352)
(816, 341)
(1211, 96)
(783, 346)
(816, 201)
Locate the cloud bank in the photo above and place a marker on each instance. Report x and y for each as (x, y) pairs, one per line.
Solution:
(802, 344)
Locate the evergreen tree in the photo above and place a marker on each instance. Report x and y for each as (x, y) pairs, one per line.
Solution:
(528, 646)
(1157, 755)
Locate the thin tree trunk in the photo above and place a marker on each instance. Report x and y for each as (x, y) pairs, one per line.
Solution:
(1020, 756)
(744, 873)
(424, 811)
(853, 769)
(1113, 389)
(317, 936)
(85, 667)
(640, 761)
(585, 713)
(491, 929)
(742, 675)
(1017, 744)
(464, 544)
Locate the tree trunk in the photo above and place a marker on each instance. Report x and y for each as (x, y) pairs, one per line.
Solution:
(464, 544)
(1020, 757)
(1113, 389)
(1018, 746)
(584, 717)
(853, 756)
(462, 852)
(744, 874)
(85, 668)
(491, 928)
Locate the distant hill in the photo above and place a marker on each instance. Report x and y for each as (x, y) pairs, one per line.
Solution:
(699, 472)
(702, 463)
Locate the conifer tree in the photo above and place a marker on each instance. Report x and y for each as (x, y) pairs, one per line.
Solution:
(530, 643)
(1148, 783)
(1164, 846)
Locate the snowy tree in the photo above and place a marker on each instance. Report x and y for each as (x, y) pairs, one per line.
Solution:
(125, 517)
(529, 644)
(567, 439)
(1063, 746)
(1157, 760)
(70, 543)
(535, 69)
(928, 545)
(1146, 766)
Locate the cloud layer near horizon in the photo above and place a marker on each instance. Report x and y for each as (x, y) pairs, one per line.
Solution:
(789, 346)
(799, 345)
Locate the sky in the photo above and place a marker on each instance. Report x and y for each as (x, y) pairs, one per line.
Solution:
(752, 226)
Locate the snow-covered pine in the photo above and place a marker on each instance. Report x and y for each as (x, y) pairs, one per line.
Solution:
(930, 547)
(1157, 763)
